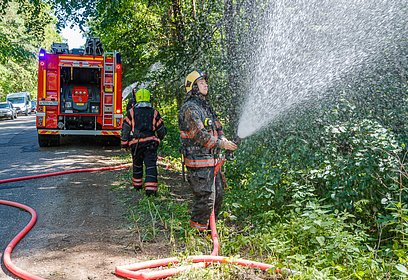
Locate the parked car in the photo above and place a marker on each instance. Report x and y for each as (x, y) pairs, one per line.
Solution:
(7, 110)
(21, 102)
(34, 106)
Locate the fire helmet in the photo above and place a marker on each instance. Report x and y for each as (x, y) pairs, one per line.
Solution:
(193, 77)
(142, 95)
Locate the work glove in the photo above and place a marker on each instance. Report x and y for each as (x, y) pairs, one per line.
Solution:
(227, 145)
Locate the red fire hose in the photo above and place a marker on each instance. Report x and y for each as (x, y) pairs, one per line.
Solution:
(132, 271)
(63, 173)
(7, 253)
(135, 271)
(9, 249)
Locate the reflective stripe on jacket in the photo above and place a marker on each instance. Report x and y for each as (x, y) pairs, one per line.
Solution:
(142, 124)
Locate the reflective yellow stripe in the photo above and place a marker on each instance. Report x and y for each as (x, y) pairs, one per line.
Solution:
(45, 84)
(115, 92)
(48, 132)
(44, 95)
(110, 133)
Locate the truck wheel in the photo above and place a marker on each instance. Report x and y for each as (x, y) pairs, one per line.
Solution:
(55, 140)
(48, 140)
(43, 140)
(111, 141)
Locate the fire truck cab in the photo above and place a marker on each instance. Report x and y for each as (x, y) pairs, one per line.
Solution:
(79, 93)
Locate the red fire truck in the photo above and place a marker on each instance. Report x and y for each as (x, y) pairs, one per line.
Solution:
(79, 93)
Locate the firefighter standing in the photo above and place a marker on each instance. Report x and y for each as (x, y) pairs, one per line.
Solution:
(142, 130)
(202, 138)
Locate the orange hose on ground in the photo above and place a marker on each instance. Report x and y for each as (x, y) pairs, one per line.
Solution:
(131, 271)
(96, 169)
(138, 271)
(7, 253)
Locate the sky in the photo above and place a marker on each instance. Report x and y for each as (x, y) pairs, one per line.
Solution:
(74, 37)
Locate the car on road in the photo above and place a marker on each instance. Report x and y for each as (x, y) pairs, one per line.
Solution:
(33, 106)
(7, 110)
(21, 102)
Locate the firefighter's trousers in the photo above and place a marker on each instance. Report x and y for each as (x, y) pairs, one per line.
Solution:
(207, 195)
(145, 153)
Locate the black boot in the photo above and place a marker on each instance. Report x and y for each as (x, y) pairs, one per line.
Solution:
(137, 188)
(151, 193)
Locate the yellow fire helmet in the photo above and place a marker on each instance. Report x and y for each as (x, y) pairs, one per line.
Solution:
(193, 77)
(142, 95)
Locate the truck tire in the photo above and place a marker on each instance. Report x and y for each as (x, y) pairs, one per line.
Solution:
(55, 140)
(110, 141)
(48, 140)
(42, 140)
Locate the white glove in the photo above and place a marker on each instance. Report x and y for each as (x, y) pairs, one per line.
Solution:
(227, 145)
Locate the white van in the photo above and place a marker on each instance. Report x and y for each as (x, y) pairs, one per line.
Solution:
(21, 102)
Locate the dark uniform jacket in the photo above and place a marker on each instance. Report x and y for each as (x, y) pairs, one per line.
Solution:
(200, 132)
(142, 124)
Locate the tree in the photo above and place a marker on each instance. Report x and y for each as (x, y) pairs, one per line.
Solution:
(22, 33)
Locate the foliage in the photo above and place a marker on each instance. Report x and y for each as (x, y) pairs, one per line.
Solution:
(321, 191)
(24, 28)
(170, 145)
(162, 41)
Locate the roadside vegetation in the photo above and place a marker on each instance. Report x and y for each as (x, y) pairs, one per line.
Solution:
(326, 199)
(25, 27)
(321, 191)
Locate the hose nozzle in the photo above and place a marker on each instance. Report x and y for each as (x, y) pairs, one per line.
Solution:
(229, 155)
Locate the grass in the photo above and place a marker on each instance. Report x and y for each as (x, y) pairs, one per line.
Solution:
(165, 220)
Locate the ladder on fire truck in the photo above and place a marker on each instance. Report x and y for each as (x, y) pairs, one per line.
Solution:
(109, 61)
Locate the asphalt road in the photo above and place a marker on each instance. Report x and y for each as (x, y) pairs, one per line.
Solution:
(73, 210)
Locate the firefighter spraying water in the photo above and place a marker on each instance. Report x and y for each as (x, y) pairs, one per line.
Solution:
(202, 138)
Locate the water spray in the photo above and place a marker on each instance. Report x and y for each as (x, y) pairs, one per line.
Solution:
(303, 49)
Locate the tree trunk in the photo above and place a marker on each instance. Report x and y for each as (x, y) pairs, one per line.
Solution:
(193, 9)
(178, 20)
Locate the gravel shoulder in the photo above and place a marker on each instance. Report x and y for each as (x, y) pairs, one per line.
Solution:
(82, 231)
(81, 234)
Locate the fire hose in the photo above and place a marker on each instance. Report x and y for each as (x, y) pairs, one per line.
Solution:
(132, 271)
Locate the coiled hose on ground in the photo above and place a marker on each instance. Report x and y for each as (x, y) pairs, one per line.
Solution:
(132, 271)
